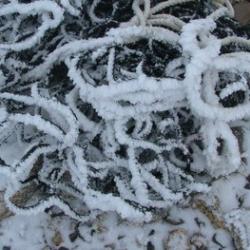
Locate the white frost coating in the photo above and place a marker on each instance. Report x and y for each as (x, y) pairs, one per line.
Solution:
(166, 194)
(148, 16)
(50, 105)
(92, 12)
(72, 133)
(203, 59)
(141, 15)
(237, 40)
(134, 32)
(24, 167)
(236, 86)
(68, 7)
(165, 4)
(123, 130)
(238, 221)
(137, 182)
(110, 66)
(31, 9)
(81, 165)
(3, 114)
(38, 122)
(223, 11)
(114, 36)
(66, 50)
(51, 201)
(84, 123)
(146, 93)
(109, 202)
(202, 71)
(231, 159)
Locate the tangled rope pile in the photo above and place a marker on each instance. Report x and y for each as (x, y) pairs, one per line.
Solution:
(125, 106)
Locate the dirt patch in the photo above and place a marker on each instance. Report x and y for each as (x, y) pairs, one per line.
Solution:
(242, 12)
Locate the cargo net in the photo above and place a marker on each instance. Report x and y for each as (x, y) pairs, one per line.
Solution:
(120, 105)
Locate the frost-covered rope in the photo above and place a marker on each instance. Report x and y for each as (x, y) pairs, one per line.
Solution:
(30, 9)
(124, 108)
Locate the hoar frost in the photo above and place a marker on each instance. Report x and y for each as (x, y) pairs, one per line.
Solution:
(125, 106)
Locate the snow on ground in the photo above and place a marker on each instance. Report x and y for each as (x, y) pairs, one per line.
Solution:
(36, 232)
(110, 232)
(221, 218)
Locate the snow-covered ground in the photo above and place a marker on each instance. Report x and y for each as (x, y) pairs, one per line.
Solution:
(40, 231)
(218, 221)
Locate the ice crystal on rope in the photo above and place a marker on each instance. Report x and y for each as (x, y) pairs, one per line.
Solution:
(125, 106)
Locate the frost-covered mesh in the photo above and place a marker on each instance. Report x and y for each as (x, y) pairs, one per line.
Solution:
(126, 106)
